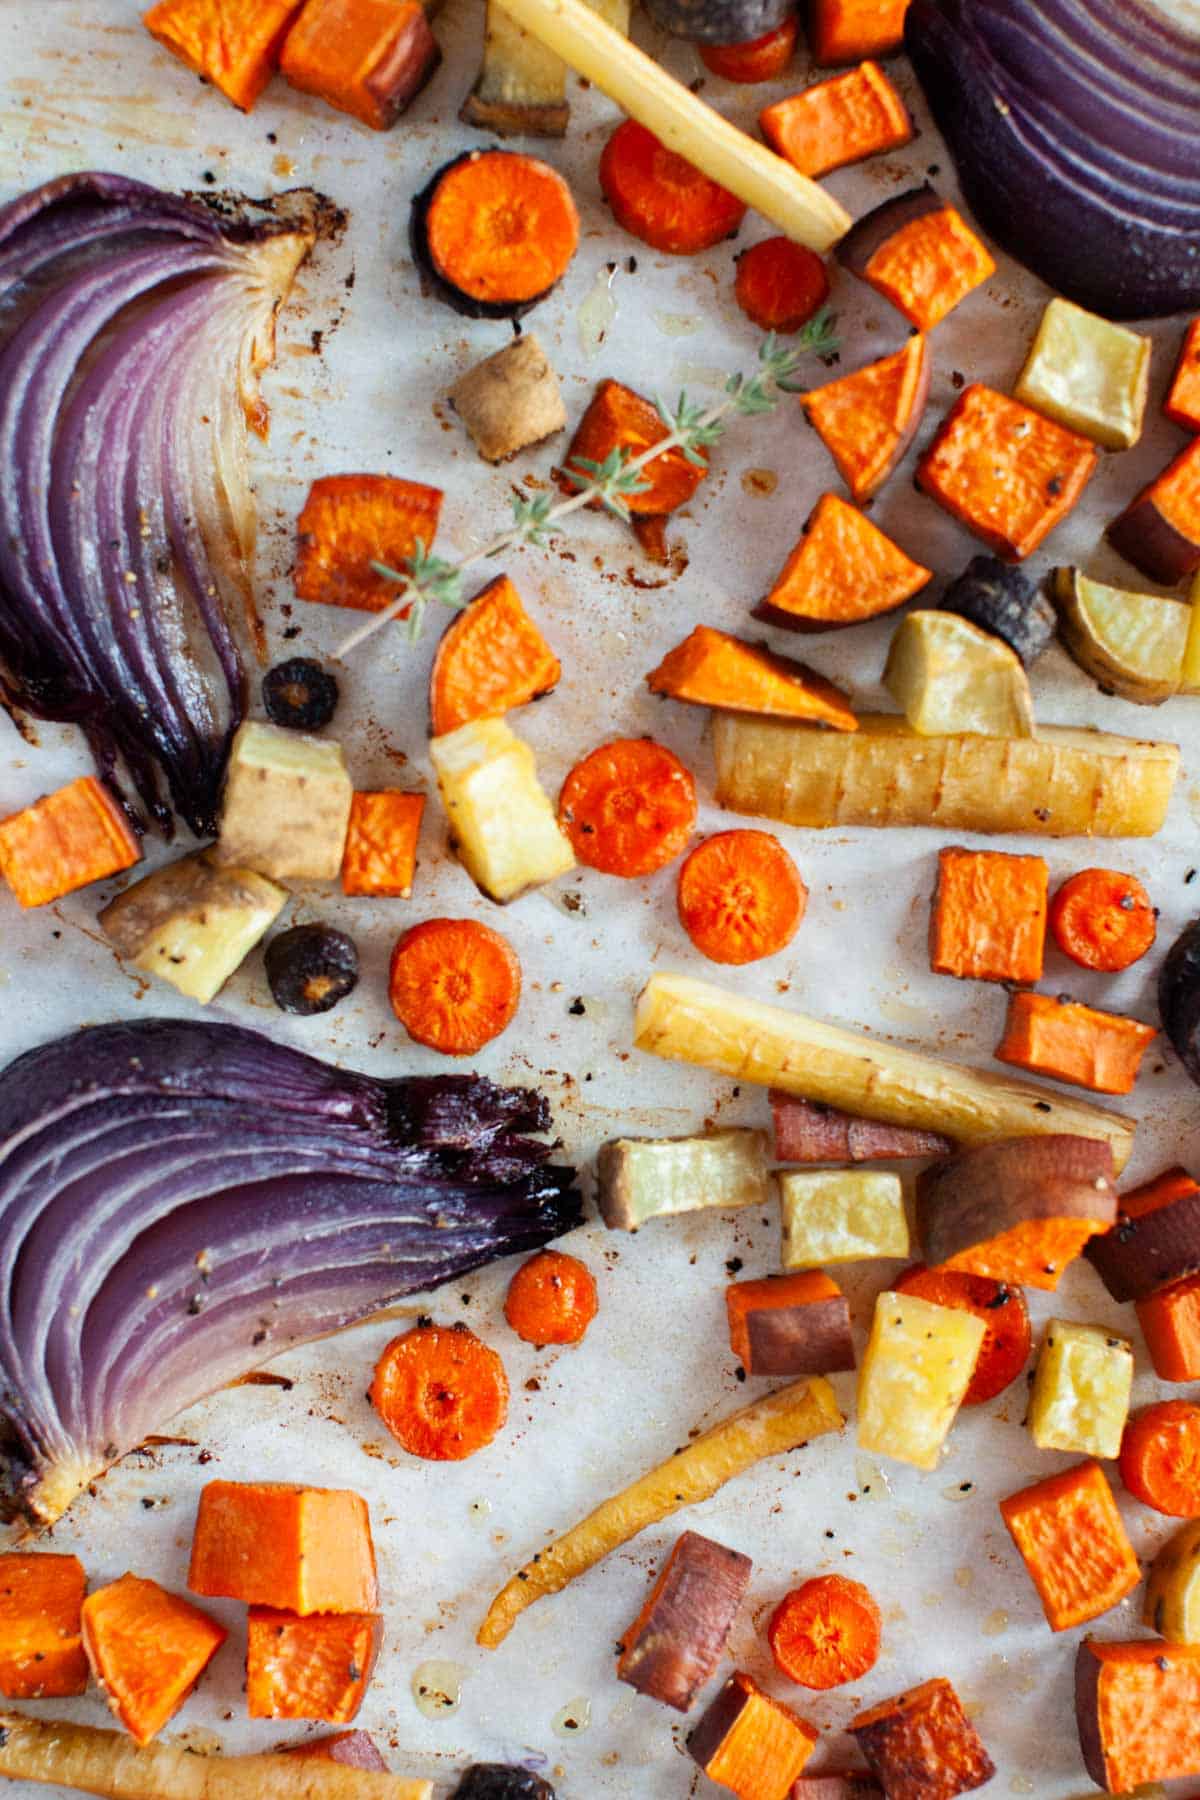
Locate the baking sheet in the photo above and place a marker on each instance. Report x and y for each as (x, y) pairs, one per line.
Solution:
(364, 365)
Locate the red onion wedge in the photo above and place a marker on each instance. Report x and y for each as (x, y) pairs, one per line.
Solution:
(180, 1202)
(134, 325)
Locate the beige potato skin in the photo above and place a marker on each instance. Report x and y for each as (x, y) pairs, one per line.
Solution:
(286, 806)
(1077, 625)
(644, 1178)
(1172, 1606)
(510, 400)
(191, 923)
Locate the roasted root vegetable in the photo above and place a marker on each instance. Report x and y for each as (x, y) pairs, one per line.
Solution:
(677, 1640)
(826, 1632)
(751, 1744)
(286, 807)
(842, 31)
(838, 121)
(748, 1040)
(1081, 1387)
(713, 668)
(441, 1392)
(718, 21)
(1137, 1707)
(1001, 599)
(1182, 403)
(619, 419)
(310, 969)
(551, 1299)
(41, 1650)
(235, 46)
(1050, 1034)
(490, 658)
(353, 1749)
(147, 1649)
(947, 676)
(762, 58)
(1088, 374)
(493, 233)
(300, 694)
(988, 919)
(317, 1667)
(380, 857)
(840, 1215)
(1179, 997)
(922, 1745)
(1156, 1239)
(1102, 919)
(740, 897)
(1159, 532)
(867, 419)
(368, 58)
(779, 1422)
(628, 808)
(807, 1132)
(1073, 1542)
(510, 401)
(350, 522)
(914, 1374)
(278, 1544)
(1172, 1603)
(1131, 644)
(65, 841)
(1170, 1322)
(643, 1178)
(501, 1781)
(454, 984)
(790, 1325)
(501, 819)
(658, 196)
(191, 923)
(843, 570)
(1005, 1316)
(918, 252)
(1160, 1459)
(521, 89)
(779, 285)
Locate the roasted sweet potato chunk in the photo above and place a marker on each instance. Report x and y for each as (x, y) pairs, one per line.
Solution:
(314, 1668)
(235, 44)
(675, 1643)
(790, 1325)
(922, 1745)
(41, 1651)
(368, 58)
(351, 521)
(1074, 1544)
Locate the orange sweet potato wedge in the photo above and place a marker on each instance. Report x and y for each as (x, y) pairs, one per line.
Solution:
(64, 842)
(842, 571)
(314, 1668)
(491, 658)
(714, 668)
(234, 44)
(368, 58)
(41, 1650)
(147, 1648)
(868, 419)
(351, 521)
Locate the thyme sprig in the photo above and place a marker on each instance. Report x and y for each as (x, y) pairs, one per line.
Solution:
(427, 580)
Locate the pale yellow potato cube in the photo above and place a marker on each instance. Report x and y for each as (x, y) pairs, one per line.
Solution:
(192, 923)
(286, 808)
(841, 1215)
(1081, 1389)
(947, 675)
(918, 1365)
(642, 1178)
(1088, 374)
(505, 829)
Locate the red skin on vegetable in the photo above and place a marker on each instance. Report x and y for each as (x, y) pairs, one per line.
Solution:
(677, 1640)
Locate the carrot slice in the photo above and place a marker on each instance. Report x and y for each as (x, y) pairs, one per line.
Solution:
(491, 658)
(780, 285)
(442, 1393)
(628, 808)
(758, 59)
(1160, 1458)
(454, 984)
(867, 419)
(1102, 920)
(713, 668)
(842, 571)
(551, 1299)
(617, 418)
(740, 896)
(825, 1632)
(501, 227)
(1007, 1336)
(838, 121)
(661, 198)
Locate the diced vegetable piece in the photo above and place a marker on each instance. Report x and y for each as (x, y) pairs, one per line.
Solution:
(510, 401)
(918, 252)
(521, 89)
(748, 1040)
(1081, 1388)
(1179, 997)
(277, 1544)
(1019, 1210)
(917, 1368)
(193, 924)
(1132, 644)
(1074, 1544)
(368, 58)
(234, 45)
(717, 21)
(779, 285)
(1062, 783)
(838, 121)
(842, 571)
(714, 668)
(353, 1749)
(751, 1744)
(1156, 1238)
(300, 694)
(779, 1422)
(454, 984)
(312, 1668)
(41, 1651)
(1002, 470)
(1160, 1459)
(1182, 403)
(349, 522)
(842, 31)
(790, 1325)
(826, 1632)
(310, 968)
(837, 1784)
(380, 858)
(948, 676)
(503, 824)
(551, 1299)
(493, 232)
(1051, 1035)
(841, 1215)
(740, 897)
(147, 1649)
(988, 920)
(922, 1745)
(658, 196)
(1102, 919)
(442, 1394)
(490, 659)
(1089, 374)
(1172, 1603)
(1005, 1318)
(629, 807)
(675, 1643)
(807, 1132)
(1137, 1707)
(619, 419)
(286, 807)
(867, 419)
(1001, 599)
(644, 1178)
(65, 841)
(1159, 532)
(757, 59)
(1170, 1322)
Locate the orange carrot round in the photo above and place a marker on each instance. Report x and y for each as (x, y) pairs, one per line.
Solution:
(551, 1299)
(441, 1392)
(1102, 919)
(758, 59)
(825, 1632)
(662, 198)
(501, 227)
(628, 808)
(740, 896)
(454, 984)
(1007, 1338)
(1160, 1458)
(780, 285)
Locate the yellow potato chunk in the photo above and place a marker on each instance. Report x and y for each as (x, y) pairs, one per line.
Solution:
(917, 1367)
(505, 828)
(1088, 374)
(841, 1215)
(192, 924)
(1081, 1389)
(286, 809)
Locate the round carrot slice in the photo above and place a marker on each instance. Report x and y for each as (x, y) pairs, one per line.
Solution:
(501, 227)
(1160, 1458)
(661, 198)
(758, 59)
(454, 984)
(551, 1299)
(441, 1392)
(628, 808)
(740, 896)
(825, 1632)
(1007, 1338)
(780, 285)
(1102, 920)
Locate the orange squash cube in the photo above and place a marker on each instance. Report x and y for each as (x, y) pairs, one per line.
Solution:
(1074, 1544)
(368, 58)
(751, 1744)
(261, 1541)
(381, 844)
(841, 31)
(989, 916)
(1071, 1042)
(41, 1650)
(843, 570)
(235, 44)
(314, 1668)
(147, 1648)
(351, 521)
(1170, 1322)
(65, 841)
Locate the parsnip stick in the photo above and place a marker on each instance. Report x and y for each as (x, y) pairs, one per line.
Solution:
(779, 1422)
(800, 208)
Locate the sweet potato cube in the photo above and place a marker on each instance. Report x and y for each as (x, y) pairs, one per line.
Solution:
(1081, 1389)
(617, 418)
(988, 921)
(790, 1325)
(349, 522)
(1073, 1542)
(867, 419)
(918, 1365)
(269, 1540)
(1006, 473)
(65, 841)
(1071, 1042)
(838, 121)
(41, 1651)
(713, 668)
(1170, 1322)
(675, 1643)
(235, 44)
(1159, 532)
(317, 1667)
(922, 1745)
(841, 31)
(750, 1744)
(147, 1648)
(380, 857)
(807, 1132)
(841, 1215)
(353, 1749)
(368, 58)
(842, 571)
(919, 253)
(490, 659)
(1156, 1240)
(1137, 1707)
(1183, 402)
(1089, 374)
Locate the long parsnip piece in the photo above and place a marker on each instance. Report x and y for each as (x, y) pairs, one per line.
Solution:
(111, 1764)
(777, 1423)
(692, 1021)
(800, 208)
(1061, 783)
